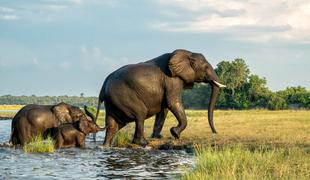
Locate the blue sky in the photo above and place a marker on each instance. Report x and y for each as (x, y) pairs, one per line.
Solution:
(57, 47)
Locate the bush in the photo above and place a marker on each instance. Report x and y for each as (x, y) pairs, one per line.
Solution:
(276, 102)
(40, 145)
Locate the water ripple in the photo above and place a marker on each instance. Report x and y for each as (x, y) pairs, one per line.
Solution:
(92, 162)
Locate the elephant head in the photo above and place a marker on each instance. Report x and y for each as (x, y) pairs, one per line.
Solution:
(193, 67)
(88, 127)
(66, 113)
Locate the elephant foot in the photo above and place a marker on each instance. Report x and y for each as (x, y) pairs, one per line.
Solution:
(157, 136)
(175, 133)
(106, 144)
(141, 141)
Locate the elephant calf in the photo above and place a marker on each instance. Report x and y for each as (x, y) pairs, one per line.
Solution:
(33, 120)
(72, 134)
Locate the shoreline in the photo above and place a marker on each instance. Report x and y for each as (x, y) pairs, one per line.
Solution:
(6, 118)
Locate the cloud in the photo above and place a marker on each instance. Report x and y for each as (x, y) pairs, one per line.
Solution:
(93, 57)
(246, 20)
(7, 14)
(35, 61)
(77, 1)
(65, 65)
(6, 10)
(9, 17)
(55, 7)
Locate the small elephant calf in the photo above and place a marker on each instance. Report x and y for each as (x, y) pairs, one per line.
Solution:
(72, 134)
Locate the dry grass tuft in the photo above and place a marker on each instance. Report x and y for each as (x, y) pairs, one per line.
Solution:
(40, 145)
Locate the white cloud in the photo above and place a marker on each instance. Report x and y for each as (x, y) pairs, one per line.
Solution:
(9, 17)
(246, 20)
(35, 61)
(55, 7)
(65, 65)
(77, 1)
(94, 57)
(6, 10)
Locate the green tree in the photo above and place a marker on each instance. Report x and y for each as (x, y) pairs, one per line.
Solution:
(233, 74)
(276, 102)
(296, 95)
(257, 91)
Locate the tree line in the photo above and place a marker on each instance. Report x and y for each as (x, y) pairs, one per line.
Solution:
(79, 101)
(244, 91)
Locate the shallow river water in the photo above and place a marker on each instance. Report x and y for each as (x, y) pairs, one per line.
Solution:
(90, 163)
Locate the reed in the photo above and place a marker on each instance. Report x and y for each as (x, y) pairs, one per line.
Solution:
(40, 145)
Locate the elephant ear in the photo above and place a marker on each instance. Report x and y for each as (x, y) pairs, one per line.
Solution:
(180, 66)
(84, 126)
(62, 113)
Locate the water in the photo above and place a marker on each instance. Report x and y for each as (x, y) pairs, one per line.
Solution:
(92, 162)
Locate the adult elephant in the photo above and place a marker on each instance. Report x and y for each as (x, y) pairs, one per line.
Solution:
(136, 92)
(33, 120)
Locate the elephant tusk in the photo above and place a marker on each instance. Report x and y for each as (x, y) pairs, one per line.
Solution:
(219, 84)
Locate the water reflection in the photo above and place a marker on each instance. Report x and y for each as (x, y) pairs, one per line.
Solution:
(93, 162)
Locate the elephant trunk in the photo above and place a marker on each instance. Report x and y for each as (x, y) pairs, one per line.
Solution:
(213, 98)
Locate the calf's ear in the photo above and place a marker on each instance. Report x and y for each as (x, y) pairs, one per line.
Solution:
(84, 126)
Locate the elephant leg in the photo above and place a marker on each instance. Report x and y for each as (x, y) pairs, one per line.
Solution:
(112, 128)
(81, 141)
(139, 133)
(178, 111)
(159, 123)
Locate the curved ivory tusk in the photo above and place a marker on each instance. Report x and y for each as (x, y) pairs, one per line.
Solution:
(219, 84)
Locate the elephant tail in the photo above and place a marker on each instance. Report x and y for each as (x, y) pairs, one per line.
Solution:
(98, 110)
(14, 136)
(97, 114)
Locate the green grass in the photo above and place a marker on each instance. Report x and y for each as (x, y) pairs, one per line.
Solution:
(255, 128)
(250, 144)
(237, 162)
(122, 139)
(40, 145)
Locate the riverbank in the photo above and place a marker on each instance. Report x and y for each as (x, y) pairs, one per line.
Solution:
(6, 115)
(254, 144)
(252, 127)
(9, 111)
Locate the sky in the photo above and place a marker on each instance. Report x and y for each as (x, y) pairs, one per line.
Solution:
(68, 47)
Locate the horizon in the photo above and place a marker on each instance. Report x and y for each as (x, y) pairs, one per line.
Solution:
(57, 47)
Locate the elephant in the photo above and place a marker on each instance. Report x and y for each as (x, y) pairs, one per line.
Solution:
(33, 120)
(136, 92)
(72, 134)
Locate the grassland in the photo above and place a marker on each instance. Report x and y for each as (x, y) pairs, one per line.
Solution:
(287, 128)
(254, 144)
(8, 111)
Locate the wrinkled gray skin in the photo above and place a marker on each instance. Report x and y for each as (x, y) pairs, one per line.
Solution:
(33, 120)
(72, 134)
(136, 92)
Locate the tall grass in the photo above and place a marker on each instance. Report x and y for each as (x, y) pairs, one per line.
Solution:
(122, 139)
(40, 145)
(237, 162)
